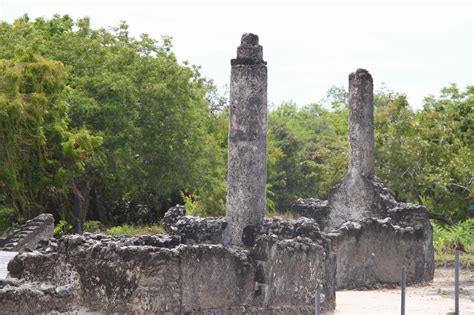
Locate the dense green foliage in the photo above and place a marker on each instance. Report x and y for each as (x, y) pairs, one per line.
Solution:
(424, 156)
(41, 157)
(98, 125)
(151, 112)
(447, 239)
(459, 236)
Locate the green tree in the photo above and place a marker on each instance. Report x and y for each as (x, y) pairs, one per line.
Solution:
(428, 156)
(307, 151)
(35, 172)
(152, 112)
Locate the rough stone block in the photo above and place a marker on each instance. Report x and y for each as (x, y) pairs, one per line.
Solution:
(277, 274)
(356, 198)
(30, 234)
(370, 253)
(312, 208)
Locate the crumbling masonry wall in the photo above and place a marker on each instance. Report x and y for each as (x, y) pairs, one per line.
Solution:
(29, 234)
(278, 274)
(371, 252)
(372, 234)
(241, 263)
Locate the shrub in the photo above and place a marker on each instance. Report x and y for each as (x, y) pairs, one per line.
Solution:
(121, 230)
(131, 230)
(7, 218)
(92, 226)
(63, 227)
(446, 239)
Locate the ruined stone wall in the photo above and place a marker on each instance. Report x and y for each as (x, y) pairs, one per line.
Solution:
(193, 230)
(328, 216)
(372, 234)
(29, 234)
(243, 263)
(370, 253)
(313, 208)
(240, 264)
(278, 274)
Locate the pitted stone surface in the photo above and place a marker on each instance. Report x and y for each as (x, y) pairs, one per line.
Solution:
(172, 216)
(193, 230)
(240, 264)
(247, 147)
(372, 249)
(29, 234)
(361, 124)
(249, 39)
(312, 208)
(278, 274)
(23, 297)
(370, 253)
(249, 52)
(357, 197)
(372, 234)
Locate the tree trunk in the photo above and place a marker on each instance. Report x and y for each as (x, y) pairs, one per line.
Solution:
(103, 217)
(81, 192)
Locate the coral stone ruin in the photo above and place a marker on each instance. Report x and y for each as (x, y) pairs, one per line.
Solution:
(359, 238)
(371, 233)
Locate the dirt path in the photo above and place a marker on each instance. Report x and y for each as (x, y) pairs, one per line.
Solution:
(434, 298)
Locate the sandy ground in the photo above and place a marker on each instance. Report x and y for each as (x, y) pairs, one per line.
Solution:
(434, 298)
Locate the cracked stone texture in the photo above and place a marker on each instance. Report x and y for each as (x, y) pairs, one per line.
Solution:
(370, 252)
(361, 124)
(247, 147)
(193, 230)
(358, 197)
(379, 200)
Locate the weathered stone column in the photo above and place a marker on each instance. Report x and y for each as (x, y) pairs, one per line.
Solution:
(359, 196)
(361, 124)
(247, 156)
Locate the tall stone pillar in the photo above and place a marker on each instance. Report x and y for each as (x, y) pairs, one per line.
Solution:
(247, 156)
(361, 124)
(359, 196)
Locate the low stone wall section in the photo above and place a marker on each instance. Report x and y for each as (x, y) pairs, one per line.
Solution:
(370, 253)
(193, 230)
(278, 274)
(29, 234)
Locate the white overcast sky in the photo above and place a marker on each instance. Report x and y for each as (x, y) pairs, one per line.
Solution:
(413, 47)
